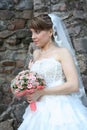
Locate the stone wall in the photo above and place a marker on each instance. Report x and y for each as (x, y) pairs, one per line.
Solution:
(14, 36)
(15, 39)
(15, 47)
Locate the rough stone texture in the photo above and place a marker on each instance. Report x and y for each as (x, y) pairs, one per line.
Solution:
(6, 125)
(4, 34)
(17, 24)
(85, 81)
(80, 44)
(82, 61)
(24, 5)
(15, 38)
(27, 14)
(16, 46)
(7, 14)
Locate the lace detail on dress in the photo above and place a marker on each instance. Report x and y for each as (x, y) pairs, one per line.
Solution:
(50, 69)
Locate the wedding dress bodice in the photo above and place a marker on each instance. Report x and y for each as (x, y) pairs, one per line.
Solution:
(54, 112)
(50, 69)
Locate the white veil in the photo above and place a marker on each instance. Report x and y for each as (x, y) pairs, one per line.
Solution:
(62, 39)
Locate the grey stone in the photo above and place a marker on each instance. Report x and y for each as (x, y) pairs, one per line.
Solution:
(1, 43)
(16, 71)
(12, 40)
(21, 54)
(27, 41)
(3, 108)
(22, 33)
(55, 1)
(24, 4)
(6, 4)
(81, 44)
(79, 14)
(5, 34)
(3, 26)
(59, 7)
(74, 31)
(7, 15)
(27, 14)
(6, 125)
(2, 80)
(84, 77)
(82, 62)
(19, 111)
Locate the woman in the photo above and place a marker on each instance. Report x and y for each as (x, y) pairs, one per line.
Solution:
(58, 105)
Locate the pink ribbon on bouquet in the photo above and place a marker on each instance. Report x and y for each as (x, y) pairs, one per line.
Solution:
(33, 104)
(30, 91)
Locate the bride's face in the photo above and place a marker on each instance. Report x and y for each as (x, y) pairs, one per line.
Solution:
(41, 38)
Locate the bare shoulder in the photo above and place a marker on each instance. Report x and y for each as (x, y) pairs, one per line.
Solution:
(63, 50)
(64, 54)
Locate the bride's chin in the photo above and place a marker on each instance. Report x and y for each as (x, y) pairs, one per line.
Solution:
(38, 45)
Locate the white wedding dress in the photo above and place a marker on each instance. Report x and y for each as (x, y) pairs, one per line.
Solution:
(55, 112)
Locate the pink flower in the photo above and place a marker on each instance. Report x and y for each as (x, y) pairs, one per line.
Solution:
(29, 86)
(17, 90)
(20, 87)
(32, 77)
(17, 83)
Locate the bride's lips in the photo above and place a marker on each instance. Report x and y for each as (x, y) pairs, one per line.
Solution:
(36, 42)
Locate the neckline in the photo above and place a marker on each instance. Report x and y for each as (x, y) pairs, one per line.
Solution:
(49, 58)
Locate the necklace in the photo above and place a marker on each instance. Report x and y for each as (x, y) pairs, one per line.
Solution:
(47, 51)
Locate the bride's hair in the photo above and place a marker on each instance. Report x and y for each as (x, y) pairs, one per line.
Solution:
(41, 22)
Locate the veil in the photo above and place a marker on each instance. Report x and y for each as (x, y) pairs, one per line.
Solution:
(62, 39)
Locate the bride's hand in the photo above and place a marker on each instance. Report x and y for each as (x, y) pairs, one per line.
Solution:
(34, 96)
(30, 63)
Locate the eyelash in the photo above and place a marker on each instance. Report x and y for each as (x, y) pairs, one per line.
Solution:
(38, 31)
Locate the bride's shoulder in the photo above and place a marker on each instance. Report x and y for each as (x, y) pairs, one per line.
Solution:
(63, 53)
(63, 50)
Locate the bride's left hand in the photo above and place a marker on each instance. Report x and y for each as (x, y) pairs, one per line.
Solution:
(34, 96)
(30, 64)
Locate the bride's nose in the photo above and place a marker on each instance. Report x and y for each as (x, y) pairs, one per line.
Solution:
(34, 36)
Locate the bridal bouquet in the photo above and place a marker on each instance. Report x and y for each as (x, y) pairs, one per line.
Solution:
(27, 82)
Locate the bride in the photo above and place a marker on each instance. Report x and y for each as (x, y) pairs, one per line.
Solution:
(59, 106)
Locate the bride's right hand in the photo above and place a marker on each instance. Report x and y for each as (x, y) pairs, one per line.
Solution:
(36, 96)
(30, 63)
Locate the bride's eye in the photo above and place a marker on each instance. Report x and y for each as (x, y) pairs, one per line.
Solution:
(37, 31)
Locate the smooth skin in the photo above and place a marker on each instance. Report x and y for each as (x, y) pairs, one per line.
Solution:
(42, 39)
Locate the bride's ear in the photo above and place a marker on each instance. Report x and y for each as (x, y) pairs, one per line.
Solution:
(51, 32)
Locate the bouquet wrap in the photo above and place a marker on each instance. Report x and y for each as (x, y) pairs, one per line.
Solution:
(27, 82)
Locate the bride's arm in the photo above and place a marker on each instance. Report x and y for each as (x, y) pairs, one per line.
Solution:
(34, 57)
(72, 83)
